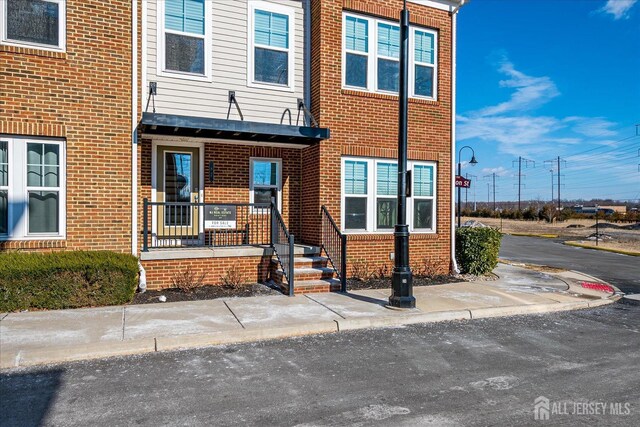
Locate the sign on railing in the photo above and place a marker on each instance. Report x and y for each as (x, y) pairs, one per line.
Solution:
(220, 217)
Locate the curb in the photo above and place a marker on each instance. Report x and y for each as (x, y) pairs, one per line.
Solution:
(181, 342)
(596, 248)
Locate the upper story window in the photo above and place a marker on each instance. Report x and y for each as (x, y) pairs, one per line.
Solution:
(371, 57)
(184, 46)
(271, 42)
(33, 23)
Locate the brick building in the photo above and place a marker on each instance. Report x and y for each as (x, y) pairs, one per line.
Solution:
(65, 124)
(250, 116)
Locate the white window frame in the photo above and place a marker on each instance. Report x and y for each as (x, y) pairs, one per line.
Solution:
(161, 45)
(252, 6)
(62, 29)
(372, 196)
(371, 33)
(372, 64)
(413, 63)
(278, 180)
(18, 190)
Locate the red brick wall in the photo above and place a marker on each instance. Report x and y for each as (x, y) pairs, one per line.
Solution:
(160, 273)
(366, 124)
(84, 96)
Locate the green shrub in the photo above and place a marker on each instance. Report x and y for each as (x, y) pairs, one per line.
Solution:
(477, 249)
(68, 279)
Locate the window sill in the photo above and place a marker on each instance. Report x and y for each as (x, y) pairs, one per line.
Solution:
(33, 51)
(387, 96)
(186, 76)
(388, 235)
(268, 86)
(44, 243)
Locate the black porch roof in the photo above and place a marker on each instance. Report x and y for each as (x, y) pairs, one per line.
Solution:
(202, 127)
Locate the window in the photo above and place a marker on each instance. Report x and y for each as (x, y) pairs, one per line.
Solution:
(423, 199)
(356, 51)
(370, 205)
(184, 37)
(33, 23)
(356, 192)
(265, 180)
(32, 196)
(424, 63)
(271, 45)
(371, 57)
(388, 57)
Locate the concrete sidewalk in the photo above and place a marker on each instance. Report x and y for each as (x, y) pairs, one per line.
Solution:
(32, 338)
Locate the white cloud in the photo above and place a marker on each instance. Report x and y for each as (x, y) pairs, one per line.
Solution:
(530, 92)
(516, 131)
(593, 127)
(618, 8)
(499, 171)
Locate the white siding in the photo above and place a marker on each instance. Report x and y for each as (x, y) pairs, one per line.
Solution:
(229, 69)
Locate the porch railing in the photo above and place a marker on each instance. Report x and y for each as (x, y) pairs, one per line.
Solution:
(283, 245)
(192, 225)
(334, 244)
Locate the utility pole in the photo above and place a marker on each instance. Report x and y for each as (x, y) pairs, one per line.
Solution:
(552, 198)
(558, 161)
(526, 165)
(493, 175)
(466, 190)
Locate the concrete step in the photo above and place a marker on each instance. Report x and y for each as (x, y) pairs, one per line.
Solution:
(312, 286)
(305, 261)
(305, 273)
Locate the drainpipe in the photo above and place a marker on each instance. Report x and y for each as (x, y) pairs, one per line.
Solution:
(454, 15)
(134, 125)
(307, 53)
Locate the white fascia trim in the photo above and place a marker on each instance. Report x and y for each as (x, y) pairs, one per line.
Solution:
(134, 126)
(283, 10)
(453, 143)
(447, 5)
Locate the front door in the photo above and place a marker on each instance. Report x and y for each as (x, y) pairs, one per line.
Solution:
(178, 182)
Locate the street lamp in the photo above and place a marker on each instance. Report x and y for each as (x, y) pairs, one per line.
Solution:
(402, 279)
(472, 162)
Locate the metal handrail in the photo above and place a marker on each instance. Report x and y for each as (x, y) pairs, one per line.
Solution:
(284, 251)
(334, 244)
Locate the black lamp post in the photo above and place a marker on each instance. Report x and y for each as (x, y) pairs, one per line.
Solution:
(402, 279)
(472, 162)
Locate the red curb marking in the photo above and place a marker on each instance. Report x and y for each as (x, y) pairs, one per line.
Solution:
(597, 287)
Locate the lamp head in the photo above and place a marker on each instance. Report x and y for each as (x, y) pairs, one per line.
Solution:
(473, 161)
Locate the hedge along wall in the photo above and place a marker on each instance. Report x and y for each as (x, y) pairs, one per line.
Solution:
(70, 279)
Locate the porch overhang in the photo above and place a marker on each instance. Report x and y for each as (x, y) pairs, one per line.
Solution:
(204, 127)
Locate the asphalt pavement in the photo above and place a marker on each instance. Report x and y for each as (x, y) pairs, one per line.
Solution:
(622, 271)
(476, 372)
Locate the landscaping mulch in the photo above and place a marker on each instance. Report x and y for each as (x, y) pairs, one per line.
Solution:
(204, 293)
(385, 283)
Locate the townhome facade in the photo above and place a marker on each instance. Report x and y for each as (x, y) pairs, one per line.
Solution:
(257, 137)
(65, 124)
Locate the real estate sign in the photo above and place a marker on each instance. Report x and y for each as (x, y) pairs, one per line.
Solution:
(220, 217)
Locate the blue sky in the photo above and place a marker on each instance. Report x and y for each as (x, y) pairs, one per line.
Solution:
(547, 78)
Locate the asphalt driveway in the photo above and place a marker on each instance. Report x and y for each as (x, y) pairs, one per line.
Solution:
(622, 271)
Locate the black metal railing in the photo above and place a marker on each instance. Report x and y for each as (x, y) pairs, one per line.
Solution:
(283, 246)
(192, 225)
(334, 244)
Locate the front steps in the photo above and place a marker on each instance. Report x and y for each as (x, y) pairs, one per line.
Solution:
(312, 273)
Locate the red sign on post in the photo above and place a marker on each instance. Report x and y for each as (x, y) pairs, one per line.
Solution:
(462, 182)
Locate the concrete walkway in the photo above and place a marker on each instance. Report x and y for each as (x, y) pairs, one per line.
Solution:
(32, 338)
